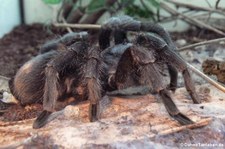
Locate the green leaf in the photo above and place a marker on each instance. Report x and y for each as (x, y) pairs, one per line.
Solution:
(135, 10)
(95, 5)
(127, 1)
(52, 1)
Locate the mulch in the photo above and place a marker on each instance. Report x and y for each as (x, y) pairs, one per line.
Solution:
(21, 44)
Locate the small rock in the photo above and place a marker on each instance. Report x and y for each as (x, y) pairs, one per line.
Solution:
(181, 42)
(8, 98)
(219, 54)
(187, 55)
(201, 48)
(71, 111)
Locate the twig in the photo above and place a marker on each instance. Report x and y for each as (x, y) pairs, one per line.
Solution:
(190, 20)
(201, 43)
(175, 17)
(208, 3)
(201, 123)
(208, 79)
(190, 6)
(79, 26)
(68, 28)
(60, 15)
(217, 4)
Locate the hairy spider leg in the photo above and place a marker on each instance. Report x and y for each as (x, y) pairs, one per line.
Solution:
(61, 43)
(173, 59)
(148, 74)
(52, 88)
(92, 75)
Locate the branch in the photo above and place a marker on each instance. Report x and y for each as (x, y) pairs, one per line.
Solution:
(78, 26)
(190, 6)
(191, 20)
(201, 43)
(217, 4)
(201, 123)
(67, 28)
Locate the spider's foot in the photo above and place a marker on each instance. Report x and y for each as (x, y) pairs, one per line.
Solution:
(93, 112)
(171, 87)
(42, 119)
(195, 98)
(182, 119)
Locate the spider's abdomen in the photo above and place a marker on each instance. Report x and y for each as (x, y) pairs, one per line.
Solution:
(27, 86)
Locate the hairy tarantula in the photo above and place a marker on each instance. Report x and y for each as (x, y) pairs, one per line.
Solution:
(88, 72)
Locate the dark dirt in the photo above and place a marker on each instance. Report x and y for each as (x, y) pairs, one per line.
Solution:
(21, 113)
(23, 43)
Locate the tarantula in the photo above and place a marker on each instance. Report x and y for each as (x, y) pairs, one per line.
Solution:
(88, 72)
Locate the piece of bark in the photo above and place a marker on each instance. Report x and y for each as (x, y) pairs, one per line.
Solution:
(214, 67)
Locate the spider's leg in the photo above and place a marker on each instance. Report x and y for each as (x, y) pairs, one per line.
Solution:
(173, 77)
(126, 23)
(42, 119)
(50, 96)
(190, 86)
(93, 82)
(120, 37)
(176, 61)
(53, 89)
(60, 43)
(151, 75)
(105, 34)
(104, 38)
(172, 108)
